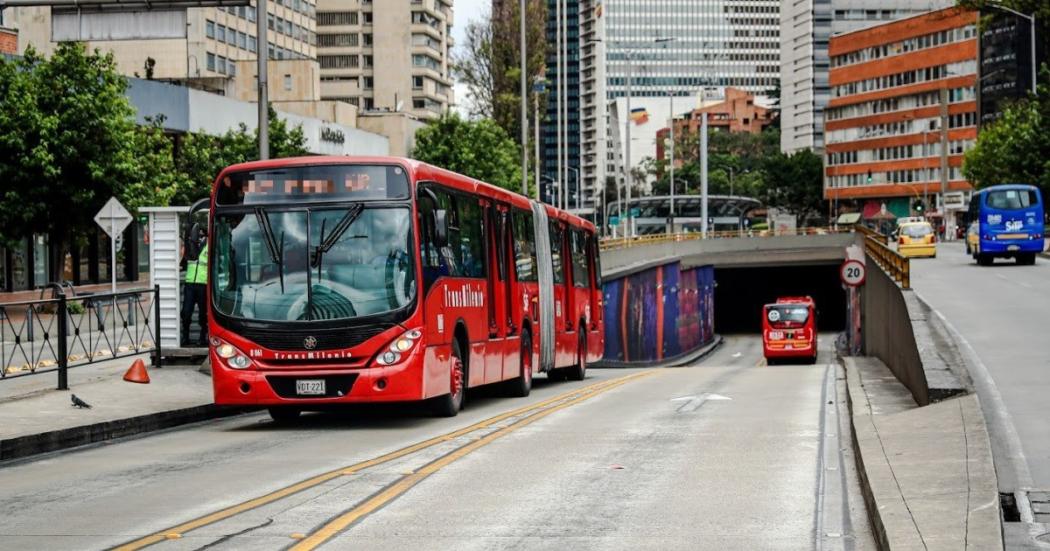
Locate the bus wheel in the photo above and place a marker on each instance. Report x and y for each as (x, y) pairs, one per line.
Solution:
(984, 259)
(522, 385)
(284, 415)
(450, 404)
(1027, 259)
(555, 374)
(579, 371)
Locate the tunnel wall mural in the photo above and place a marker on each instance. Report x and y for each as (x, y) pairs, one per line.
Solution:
(658, 314)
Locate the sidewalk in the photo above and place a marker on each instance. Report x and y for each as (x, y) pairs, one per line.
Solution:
(39, 419)
(926, 473)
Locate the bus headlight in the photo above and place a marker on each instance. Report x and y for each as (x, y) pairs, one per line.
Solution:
(401, 346)
(234, 358)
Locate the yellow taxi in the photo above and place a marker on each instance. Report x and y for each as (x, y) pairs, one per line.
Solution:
(916, 239)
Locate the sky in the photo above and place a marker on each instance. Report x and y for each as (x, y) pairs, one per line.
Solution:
(465, 11)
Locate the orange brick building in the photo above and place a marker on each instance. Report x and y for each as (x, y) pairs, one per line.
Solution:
(737, 113)
(8, 40)
(884, 119)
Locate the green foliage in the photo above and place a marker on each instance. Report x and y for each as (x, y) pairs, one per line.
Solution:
(67, 140)
(480, 149)
(1041, 8)
(795, 182)
(201, 157)
(1015, 148)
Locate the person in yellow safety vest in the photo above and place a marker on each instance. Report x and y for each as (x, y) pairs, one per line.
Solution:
(195, 288)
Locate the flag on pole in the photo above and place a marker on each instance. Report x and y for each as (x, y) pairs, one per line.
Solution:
(639, 115)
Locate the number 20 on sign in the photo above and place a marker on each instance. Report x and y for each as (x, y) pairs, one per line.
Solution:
(852, 273)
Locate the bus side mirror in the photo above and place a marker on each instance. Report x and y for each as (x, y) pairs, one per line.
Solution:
(441, 227)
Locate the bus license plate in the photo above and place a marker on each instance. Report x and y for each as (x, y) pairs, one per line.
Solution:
(1014, 248)
(309, 387)
(776, 335)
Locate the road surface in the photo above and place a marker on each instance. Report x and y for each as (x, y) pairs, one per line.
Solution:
(726, 454)
(1002, 311)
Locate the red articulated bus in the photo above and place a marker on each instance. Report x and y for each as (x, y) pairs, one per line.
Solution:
(374, 279)
(789, 329)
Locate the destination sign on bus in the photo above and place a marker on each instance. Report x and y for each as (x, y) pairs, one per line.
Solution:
(313, 184)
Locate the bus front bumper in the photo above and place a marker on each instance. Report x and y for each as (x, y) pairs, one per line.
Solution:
(789, 349)
(255, 387)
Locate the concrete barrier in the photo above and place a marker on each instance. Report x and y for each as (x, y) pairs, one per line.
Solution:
(658, 315)
(888, 333)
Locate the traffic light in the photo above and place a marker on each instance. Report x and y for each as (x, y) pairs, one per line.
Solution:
(918, 206)
(869, 176)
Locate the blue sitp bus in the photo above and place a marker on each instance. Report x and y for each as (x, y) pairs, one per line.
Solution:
(1005, 221)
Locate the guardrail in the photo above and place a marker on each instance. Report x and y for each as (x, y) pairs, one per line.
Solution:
(872, 234)
(893, 263)
(52, 335)
(623, 242)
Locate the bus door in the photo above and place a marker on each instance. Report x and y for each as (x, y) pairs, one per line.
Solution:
(562, 292)
(501, 326)
(594, 311)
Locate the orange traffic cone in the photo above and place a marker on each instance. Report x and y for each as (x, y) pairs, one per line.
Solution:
(137, 373)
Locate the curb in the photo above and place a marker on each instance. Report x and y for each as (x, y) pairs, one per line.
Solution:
(35, 444)
(676, 361)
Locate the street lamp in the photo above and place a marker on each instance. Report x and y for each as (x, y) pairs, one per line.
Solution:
(1031, 38)
(630, 53)
(524, 110)
(576, 173)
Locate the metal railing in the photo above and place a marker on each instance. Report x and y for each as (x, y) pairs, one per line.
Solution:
(52, 335)
(651, 239)
(892, 262)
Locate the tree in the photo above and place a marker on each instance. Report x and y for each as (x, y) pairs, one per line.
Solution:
(1014, 148)
(1041, 8)
(795, 183)
(201, 157)
(68, 142)
(480, 149)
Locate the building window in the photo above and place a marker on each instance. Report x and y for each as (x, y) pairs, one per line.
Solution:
(368, 39)
(369, 82)
(287, 83)
(368, 18)
(221, 34)
(417, 83)
(209, 29)
(252, 44)
(370, 104)
(333, 18)
(368, 61)
(338, 61)
(211, 61)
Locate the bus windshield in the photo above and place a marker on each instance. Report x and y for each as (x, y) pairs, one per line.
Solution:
(1011, 199)
(302, 264)
(787, 313)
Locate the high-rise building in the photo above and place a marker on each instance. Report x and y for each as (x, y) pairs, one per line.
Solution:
(391, 55)
(666, 47)
(805, 28)
(902, 113)
(1006, 60)
(567, 110)
(200, 46)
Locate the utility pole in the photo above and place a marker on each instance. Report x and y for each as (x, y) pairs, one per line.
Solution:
(944, 157)
(670, 228)
(628, 232)
(564, 86)
(537, 89)
(264, 102)
(524, 110)
(557, 94)
(703, 175)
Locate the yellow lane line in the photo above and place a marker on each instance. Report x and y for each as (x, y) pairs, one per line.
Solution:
(377, 501)
(282, 493)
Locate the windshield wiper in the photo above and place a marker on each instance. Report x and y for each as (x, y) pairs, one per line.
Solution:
(329, 241)
(276, 251)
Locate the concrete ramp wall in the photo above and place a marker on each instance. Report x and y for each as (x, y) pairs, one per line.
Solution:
(658, 315)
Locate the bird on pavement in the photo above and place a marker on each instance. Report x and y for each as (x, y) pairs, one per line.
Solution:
(77, 402)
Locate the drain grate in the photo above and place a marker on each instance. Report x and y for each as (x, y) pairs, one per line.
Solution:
(1040, 502)
(1008, 504)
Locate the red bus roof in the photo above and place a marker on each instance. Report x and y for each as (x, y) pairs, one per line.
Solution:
(419, 171)
(792, 300)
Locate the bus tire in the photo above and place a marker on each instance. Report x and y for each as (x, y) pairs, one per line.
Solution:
(579, 371)
(1027, 259)
(521, 386)
(555, 374)
(984, 259)
(450, 404)
(284, 415)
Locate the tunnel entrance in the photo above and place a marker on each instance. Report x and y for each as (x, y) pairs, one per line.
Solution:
(741, 292)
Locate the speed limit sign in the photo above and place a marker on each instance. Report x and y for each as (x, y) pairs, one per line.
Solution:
(852, 273)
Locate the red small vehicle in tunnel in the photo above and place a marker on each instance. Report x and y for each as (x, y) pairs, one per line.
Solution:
(789, 329)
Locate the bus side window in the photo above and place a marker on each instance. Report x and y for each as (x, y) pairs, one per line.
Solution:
(581, 274)
(596, 260)
(557, 253)
(524, 246)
